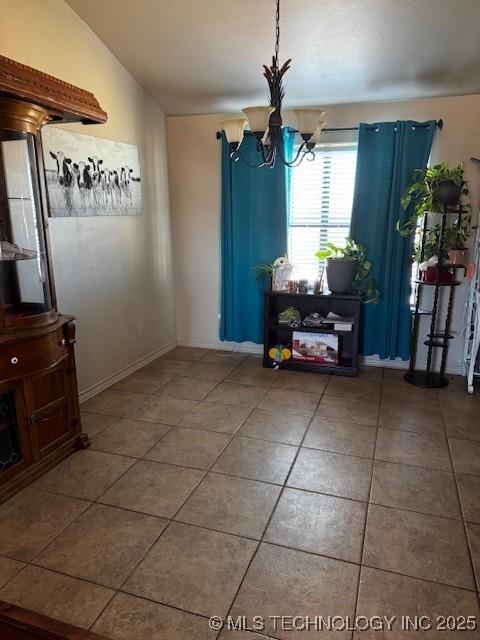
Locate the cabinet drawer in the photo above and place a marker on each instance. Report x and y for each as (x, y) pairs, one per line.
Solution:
(26, 357)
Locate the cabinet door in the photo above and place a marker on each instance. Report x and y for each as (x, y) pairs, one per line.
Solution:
(50, 419)
(15, 445)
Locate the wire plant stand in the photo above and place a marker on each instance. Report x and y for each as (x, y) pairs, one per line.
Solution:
(439, 335)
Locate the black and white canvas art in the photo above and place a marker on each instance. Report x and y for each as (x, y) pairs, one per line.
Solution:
(89, 176)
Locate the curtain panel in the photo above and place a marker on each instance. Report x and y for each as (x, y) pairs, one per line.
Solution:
(388, 154)
(254, 210)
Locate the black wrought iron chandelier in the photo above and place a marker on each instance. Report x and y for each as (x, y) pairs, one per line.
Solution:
(266, 122)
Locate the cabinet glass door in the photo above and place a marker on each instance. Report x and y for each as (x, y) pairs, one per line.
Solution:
(10, 452)
(24, 284)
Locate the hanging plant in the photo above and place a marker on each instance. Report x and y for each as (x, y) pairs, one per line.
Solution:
(433, 189)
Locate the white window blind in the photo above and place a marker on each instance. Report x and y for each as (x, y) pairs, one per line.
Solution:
(320, 206)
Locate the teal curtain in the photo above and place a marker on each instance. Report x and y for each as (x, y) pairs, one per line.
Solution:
(388, 154)
(254, 212)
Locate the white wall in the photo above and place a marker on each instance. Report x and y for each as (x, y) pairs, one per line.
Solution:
(194, 174)
(112, 273)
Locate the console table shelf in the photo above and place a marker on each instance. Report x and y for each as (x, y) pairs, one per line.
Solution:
(306, 303)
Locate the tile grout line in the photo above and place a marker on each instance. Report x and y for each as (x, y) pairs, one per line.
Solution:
(476, 579)
(231, 436)
(255, 480)
(248, 436)
(367, 511)
(274, 544)
(31, 562)
(270, 517)
(168, 525)
(254, 555)
(253, 437)
(210, 470)
(236, 434)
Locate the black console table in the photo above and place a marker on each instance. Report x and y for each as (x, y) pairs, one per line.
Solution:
(306, 303)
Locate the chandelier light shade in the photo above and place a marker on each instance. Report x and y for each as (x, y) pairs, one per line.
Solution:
(234, 129)
(266, 122)
(308, 120)
(315, 139)
(258, 119)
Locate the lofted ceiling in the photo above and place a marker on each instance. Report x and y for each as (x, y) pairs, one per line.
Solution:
(205, 56)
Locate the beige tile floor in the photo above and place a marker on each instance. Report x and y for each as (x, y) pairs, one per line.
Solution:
(215, 487)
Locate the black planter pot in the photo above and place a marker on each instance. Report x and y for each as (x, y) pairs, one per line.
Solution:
(447, 193)
(340, 274)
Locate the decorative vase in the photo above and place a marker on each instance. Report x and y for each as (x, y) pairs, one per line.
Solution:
(340, 274)
(447, 193)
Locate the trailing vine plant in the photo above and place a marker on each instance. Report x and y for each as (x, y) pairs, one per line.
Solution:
(420, 195)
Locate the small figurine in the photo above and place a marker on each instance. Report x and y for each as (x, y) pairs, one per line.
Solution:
(282, 273)
(278, 354)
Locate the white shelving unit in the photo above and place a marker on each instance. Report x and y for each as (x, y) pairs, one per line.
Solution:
(472, 319)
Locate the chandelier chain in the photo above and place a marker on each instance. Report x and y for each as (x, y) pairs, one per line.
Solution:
(277, 33)
(269, 137)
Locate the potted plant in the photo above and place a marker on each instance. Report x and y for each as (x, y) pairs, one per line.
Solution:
(436, 266)
(455, 238)
(433, 189)
(264, 274)
(348, 269)
(275, 274)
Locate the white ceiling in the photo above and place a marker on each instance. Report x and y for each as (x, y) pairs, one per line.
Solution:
(205, 56)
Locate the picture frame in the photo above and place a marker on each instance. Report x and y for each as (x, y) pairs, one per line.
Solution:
(90, 176)
(317, 348)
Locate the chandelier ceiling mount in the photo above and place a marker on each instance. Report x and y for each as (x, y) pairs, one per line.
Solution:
(266, 122)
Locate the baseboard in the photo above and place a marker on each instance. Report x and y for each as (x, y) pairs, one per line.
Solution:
(374, 361)
(370, 361)
(86, 394)
(242, 347)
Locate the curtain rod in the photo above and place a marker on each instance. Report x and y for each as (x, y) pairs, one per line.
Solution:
(438, 125)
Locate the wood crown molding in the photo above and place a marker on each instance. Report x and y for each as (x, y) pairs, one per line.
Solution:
(63, 101)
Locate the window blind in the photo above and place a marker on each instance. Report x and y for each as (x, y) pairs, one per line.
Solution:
(320, 206)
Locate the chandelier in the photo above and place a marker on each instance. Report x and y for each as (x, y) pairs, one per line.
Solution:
(266, 122)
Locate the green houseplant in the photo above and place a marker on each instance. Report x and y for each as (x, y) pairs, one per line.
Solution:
(264, 274)
(432, 189)
(348, 268)
(453, 244)
(274, 274)
(435, 265)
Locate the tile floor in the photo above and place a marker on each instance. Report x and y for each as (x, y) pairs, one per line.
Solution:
(215, 487)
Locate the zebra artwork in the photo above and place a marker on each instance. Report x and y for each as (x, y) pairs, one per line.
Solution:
(90, 176)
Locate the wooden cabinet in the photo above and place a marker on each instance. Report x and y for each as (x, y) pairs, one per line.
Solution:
(40, 397)
(39, 411)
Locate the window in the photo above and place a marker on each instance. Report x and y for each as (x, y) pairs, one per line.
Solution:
(320, 206)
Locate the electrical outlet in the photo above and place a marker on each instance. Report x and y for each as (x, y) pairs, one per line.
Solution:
(140, 328)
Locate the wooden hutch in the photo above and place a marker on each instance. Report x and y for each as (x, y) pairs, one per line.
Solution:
(39, 410)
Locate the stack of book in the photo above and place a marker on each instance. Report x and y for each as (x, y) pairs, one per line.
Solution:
(330, 321)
